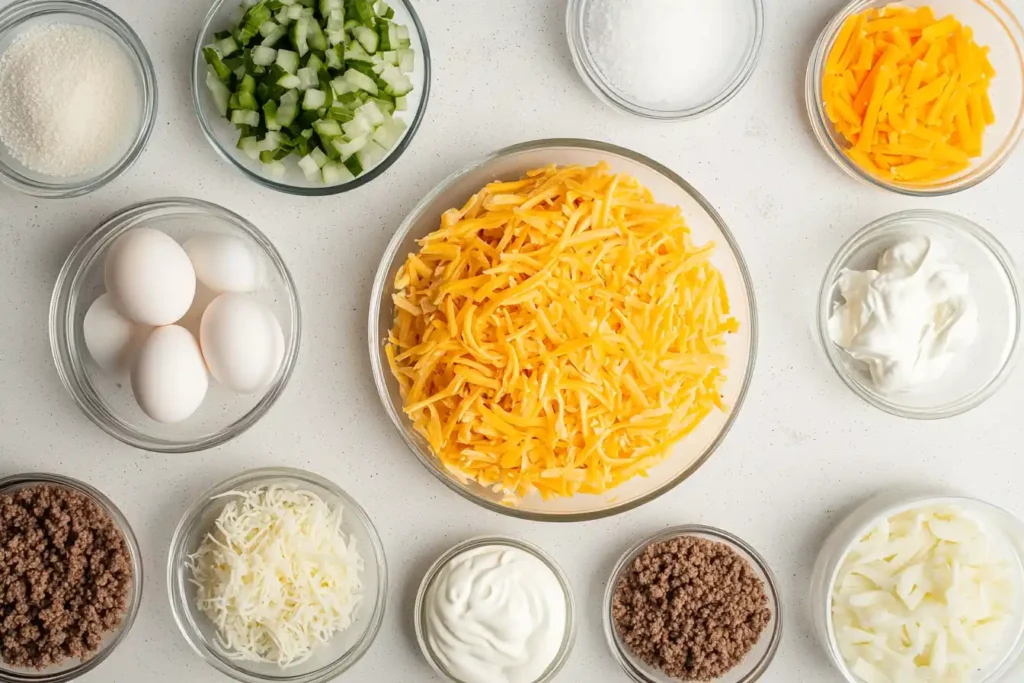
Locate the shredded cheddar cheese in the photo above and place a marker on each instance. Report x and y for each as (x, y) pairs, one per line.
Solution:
(559, 333)
(909, 93)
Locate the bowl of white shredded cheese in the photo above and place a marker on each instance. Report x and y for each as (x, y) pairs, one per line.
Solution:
(78, 97)
(923, 589)
(277, 574)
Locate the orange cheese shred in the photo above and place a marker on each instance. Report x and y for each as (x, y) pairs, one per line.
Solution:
(558, 334)
(898, 71)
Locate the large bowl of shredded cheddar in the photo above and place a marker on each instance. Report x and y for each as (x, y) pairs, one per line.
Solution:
(562, 331)
(921, 97)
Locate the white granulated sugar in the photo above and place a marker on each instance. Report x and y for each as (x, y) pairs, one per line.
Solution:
(69, 99)
(669, 54)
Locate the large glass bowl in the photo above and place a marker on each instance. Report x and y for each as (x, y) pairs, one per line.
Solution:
(223, 136)
(761, 655)
(72, 669)
(995, 25)
(668, 188)
(329, 659)
(25, 14)
(1008, 666)
(107, 399)
(976, 374)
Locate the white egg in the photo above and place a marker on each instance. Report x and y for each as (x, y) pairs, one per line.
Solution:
(191, 321)
(150, 277)
(112, 339)
(169, 379)
(242, 342)
(225, 263)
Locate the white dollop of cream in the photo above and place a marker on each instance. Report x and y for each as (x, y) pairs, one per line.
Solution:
(495, 614)
(908, 319)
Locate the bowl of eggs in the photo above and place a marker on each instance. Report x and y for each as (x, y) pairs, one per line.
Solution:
(175, 325)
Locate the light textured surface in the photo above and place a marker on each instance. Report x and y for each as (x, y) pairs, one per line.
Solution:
(803, 451)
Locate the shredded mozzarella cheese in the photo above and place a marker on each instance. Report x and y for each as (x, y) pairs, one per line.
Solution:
(277, 576)
(924, 597)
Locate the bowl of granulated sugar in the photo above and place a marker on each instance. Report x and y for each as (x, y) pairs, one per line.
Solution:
(667, 60)
(77, 97)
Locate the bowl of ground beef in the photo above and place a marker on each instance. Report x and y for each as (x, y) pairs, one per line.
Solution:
(693, 603)
(70, 578)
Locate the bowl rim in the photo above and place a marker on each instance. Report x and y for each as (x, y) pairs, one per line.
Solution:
(619, 650)
(862, 237)
(249, 479)
(138, 578)
(856, 524)
(419, 606)
(20, 11)
(82, 257)
(833, 148)
(599, 86)
(195, 86)
(391, 252)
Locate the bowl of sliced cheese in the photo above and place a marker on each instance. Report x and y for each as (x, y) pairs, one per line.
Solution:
(923, 97)
(563, 330)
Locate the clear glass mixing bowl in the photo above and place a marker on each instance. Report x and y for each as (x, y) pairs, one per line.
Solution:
(25, 14)
(107, 399)
(668, 188)
(73, 669)
(994, 24)
(330, 659)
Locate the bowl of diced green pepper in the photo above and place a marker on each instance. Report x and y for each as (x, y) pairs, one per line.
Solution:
(311, 97)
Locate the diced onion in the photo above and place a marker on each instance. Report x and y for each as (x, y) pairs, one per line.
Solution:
(924, 597)
(278, 575)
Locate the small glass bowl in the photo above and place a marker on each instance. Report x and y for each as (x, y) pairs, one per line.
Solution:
(1004, 669)
(329, 660)
(706, 225)
(223, 136)
(576, 30)
(972, 378)
(419, 609)
(753, 665)
(24, 14)
(72, 669)
(995, 25)
(107, 399)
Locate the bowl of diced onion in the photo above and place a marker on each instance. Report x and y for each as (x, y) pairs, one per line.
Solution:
(310, 98)
(277, 575)
(922, 587)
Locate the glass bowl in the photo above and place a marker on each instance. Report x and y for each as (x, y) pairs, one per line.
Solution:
(568, 639)
(223, 136)
(107, 399)
(330, 659)
(25, 14)
(974, 376)
(576, 17)
(668, 188)
(995, 25)
(753, 665)
(1010, 666)
(72, 669)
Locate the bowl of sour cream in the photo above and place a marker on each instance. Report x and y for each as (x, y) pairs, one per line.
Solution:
(920, 314)
(495, 610)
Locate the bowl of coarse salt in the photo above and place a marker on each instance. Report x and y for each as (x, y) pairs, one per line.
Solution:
(667, 61)
(77, 97)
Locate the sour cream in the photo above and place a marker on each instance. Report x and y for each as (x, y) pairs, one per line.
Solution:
(495, 614)
(908, 319)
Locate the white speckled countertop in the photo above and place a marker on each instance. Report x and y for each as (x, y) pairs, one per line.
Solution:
(803, 450)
